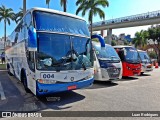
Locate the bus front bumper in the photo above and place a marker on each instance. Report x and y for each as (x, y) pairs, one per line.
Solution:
(44, 89)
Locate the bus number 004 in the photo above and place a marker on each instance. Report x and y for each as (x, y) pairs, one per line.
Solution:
(48, 75)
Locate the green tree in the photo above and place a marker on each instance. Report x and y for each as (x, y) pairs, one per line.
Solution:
(126, 42)
(113, 43)
(154, 35)
(93, 7)
(140, 39)
(47, 2)
(19, 16)
(64, 5)
(95, 40)
(152, 55)
(6, 14)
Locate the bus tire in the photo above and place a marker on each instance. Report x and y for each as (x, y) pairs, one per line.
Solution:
(24, 81)
(8, 69)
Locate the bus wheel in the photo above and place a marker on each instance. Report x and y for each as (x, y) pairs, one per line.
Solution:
(8, 69)
(24, 82)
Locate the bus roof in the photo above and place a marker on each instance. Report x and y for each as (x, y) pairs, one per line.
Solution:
(121, 46)
(99, 44)
(50, 11)
(141, 51)
(54, 11)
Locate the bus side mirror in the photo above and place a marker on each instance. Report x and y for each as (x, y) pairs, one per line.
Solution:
(100, 38)
(32, 39)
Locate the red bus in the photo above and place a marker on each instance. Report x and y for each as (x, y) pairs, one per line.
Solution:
(130, 60)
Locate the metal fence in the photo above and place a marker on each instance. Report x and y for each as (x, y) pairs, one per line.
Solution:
(129, 18)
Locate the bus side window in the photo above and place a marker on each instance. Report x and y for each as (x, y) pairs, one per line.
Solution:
(30, 58)
(27, 24)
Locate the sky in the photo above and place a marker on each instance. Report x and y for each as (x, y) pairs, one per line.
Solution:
(116, 9)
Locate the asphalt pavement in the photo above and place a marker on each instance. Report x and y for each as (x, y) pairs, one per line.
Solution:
(139, 93)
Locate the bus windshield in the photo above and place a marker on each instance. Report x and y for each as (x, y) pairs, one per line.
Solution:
(63, 52)
(144, 57)
(131, 55)
(59, 23)
(107, 54)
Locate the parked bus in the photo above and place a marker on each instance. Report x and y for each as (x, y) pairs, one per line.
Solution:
(107, 63)
(130, 60)
(51, 52)
(146, 62)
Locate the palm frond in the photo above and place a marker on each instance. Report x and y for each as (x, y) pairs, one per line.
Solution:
(103, 3)
(80, 8)
(8, 21)
(99, 12)
(80, 2)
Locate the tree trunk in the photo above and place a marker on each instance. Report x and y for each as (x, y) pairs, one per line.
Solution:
(65, 7)
(91, 25)
(4, 33)
(24, 7)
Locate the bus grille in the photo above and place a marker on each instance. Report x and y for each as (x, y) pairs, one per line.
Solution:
(113, 72)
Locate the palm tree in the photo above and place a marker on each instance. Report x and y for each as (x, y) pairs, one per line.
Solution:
(140, 39)
(6, 14)
(19, 16)
(47, 2)
(93, 6)
(24, 7)
(64, 5)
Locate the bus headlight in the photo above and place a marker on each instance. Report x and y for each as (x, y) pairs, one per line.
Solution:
(128, 68)
(149, 66)
(46, 81)
(89, 77)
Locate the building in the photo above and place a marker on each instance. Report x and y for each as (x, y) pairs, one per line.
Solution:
(128, 38)
(1, 45)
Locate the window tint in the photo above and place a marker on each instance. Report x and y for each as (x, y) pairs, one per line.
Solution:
(59, 23)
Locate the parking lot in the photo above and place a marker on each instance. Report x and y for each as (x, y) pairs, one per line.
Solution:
(139, 93)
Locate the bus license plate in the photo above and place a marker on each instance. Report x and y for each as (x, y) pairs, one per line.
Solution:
(135, 74)
(72, 87)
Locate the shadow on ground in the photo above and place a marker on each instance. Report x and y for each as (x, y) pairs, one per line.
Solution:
(102, 84)
(128, 78)
(61, 100)
(142, 75)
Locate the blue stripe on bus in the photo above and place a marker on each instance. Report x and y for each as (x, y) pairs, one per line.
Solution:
(58, 87)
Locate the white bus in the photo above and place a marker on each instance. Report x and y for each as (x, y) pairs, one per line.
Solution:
(107, 64)
(51, 52)
(146, 62)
